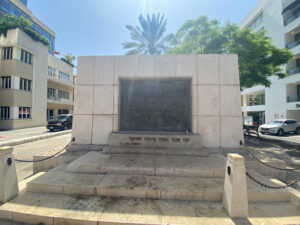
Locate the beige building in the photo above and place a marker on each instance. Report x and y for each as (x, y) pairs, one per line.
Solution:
(60, 87)
(34, 84)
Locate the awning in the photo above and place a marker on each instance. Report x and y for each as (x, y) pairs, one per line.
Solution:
(291, 6)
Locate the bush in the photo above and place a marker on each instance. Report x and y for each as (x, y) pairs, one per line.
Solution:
(12, 22)
(66, 61)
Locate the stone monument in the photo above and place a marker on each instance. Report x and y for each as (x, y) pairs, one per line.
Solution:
(129, 98)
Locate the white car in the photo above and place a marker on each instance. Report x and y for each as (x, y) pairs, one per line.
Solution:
(280, 127)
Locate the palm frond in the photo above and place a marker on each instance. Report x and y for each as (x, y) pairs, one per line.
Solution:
(148, 37)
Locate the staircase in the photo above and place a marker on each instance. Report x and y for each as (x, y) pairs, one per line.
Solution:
(109, 186)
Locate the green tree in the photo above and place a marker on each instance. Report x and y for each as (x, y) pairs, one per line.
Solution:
(12, 22)
(148, 39)
(68, 58)
(258, 57)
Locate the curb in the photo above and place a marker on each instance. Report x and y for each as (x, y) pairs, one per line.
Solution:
(35, 138)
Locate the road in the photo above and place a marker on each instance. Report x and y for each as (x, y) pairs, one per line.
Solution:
(26, 151)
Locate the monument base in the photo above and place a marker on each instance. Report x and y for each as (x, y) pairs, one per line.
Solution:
(155, 140)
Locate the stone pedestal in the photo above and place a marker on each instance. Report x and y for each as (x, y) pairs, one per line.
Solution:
(8, 177)
(235, 198)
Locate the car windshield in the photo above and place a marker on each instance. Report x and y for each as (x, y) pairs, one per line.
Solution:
(275, 122)
(61, 117)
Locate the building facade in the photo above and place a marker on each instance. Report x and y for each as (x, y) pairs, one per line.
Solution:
(34, 84)
(281, 21)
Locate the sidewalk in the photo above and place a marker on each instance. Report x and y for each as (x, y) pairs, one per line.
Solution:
(21, 136)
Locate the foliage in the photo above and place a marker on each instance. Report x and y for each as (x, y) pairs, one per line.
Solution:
(148, 39)
(12, 22)
(68, 58)
(258, 57)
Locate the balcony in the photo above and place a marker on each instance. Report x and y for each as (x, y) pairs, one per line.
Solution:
(57, 100)
(62, 81)
(293, 98)
(293, 44)
(53, 98)
(293, 71)
(291, 19)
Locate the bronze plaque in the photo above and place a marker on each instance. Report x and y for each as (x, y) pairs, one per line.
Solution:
(155, 105)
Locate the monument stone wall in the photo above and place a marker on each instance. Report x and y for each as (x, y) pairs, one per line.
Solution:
(215, 99)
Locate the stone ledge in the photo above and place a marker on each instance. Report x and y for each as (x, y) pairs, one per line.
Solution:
(59, 181)
(94, 210)
(134, 164)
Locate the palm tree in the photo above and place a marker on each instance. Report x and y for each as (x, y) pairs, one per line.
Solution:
(148, 39)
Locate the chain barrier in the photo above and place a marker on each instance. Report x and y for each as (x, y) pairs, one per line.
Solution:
(273, 187)
(49, 157)
(273, 167)
(291, 183)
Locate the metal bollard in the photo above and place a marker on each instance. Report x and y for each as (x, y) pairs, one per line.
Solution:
(8, 176)
(235, 198)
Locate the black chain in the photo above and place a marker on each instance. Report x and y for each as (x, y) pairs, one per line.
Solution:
(273, 187)
(285, 169)
(49, 157)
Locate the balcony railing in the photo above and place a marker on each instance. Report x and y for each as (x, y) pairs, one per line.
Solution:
(293, 98)
(293, 44)
(291, 19)
(53, 98)
(293, 71)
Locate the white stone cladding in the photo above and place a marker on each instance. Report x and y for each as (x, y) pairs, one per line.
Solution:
(215, 94)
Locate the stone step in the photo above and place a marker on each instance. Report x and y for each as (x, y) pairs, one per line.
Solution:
(59, 181)
(57, 209)
(155, 151)
(155, 165)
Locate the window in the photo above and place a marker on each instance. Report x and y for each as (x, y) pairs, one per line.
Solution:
(63, 75)
(297, 37)
(63, 94)
(256, 22)
(24, 2)
(289, 122)
(24, 113)
(5, 5)
(63, 111)
(4, 113)
(10, 8)
(7, 53)
(26, 57)
(51, 93)
(6, 82)
(25, 84)
(51, 72)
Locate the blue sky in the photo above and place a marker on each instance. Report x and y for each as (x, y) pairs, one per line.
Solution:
(97, 27)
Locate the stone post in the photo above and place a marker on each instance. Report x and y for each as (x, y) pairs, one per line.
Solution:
(8, 176)
(235, 198)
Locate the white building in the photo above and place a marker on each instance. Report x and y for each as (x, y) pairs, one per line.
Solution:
(281, 20)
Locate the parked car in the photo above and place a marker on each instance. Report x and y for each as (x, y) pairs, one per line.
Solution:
(280, 127)
(61, 122)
